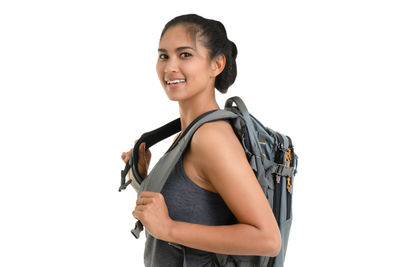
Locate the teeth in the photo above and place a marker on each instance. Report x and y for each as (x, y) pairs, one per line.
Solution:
(175, 81)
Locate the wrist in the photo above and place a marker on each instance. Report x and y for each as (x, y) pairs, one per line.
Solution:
(169, 229)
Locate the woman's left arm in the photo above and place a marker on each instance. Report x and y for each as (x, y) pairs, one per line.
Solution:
(228, 170)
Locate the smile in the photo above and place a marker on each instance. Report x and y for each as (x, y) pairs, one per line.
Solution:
(175, 81)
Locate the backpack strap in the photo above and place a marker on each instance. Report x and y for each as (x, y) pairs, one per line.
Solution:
(159, 174)
(157, 177)
(150, 138)
(163, 132)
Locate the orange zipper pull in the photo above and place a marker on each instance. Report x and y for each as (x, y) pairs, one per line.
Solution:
(288, 156)
(289, 185)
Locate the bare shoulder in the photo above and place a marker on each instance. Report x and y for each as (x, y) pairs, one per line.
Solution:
(216, 146)
(216, 130)
(216, 139)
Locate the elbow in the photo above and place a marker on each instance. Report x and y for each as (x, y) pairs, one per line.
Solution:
(275, 247)
(272, 245)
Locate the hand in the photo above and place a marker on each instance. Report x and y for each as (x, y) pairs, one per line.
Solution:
(152, 211)
(144, 159)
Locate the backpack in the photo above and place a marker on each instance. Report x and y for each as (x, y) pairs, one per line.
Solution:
(269, 153)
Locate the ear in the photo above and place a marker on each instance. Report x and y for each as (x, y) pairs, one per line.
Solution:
(218, 65)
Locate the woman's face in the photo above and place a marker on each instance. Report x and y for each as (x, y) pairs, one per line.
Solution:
(182, 60)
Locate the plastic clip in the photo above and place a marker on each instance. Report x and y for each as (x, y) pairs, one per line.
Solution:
(138, 228)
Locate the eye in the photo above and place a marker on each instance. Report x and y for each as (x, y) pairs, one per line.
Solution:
(163, 56)
(186, 54)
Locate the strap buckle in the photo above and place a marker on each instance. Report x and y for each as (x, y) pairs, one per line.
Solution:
(138, 228)
(124, 183)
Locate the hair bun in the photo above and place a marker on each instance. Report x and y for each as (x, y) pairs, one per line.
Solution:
(233, 49)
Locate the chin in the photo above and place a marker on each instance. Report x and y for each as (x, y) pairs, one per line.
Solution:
(172, 96)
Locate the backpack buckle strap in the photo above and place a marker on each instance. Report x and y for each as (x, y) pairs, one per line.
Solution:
(283, 170)
(124, 183)
(138, 228)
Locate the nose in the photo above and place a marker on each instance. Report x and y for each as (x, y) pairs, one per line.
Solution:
(172, 65)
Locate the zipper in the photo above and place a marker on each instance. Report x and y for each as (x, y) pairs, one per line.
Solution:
(276, 207)
(277, 198)
(285, 156)
(279, 157)
(271, 262)
(288, 159)
(288, 200)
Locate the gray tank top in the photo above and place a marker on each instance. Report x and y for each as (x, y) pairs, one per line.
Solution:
(186, 202)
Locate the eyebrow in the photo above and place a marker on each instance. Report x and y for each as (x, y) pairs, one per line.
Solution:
(177, 49)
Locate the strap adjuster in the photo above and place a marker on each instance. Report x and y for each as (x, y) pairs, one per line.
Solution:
(282, 170)
(124, 172)
(138, 228)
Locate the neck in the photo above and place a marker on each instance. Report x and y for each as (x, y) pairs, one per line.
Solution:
(193, 107)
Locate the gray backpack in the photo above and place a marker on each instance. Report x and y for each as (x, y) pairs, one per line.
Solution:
(269, 153)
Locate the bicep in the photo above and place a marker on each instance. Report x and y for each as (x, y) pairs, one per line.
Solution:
(226, 167)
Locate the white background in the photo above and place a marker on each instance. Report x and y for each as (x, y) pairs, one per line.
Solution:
(78, 86)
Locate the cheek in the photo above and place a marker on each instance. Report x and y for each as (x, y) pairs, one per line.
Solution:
(196, 71)
(158, 68)
(160, 74)
(200, 74)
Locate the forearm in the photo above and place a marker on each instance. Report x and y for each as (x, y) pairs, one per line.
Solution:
(237, 239)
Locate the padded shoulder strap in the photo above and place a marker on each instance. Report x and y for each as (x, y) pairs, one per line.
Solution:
(159, 174)
(161, 171)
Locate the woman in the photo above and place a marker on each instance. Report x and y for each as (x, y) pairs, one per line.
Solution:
(211, 202)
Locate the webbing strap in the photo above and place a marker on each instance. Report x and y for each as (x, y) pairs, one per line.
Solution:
(283, 170)
(124, 172)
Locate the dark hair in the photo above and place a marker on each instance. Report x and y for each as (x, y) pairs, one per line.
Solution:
(215, 40)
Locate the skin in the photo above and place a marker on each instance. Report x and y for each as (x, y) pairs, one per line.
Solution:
(226, 170)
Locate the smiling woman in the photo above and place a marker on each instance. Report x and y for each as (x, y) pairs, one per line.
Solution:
(199, 207)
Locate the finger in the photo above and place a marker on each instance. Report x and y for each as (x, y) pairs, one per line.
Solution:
(144, 152)
(140, 201)
(149, 194)
(139, 209)
(127, 156)
(148, 154)
(144, 200)
(142, 146)
(124, 157)
(137, 214)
